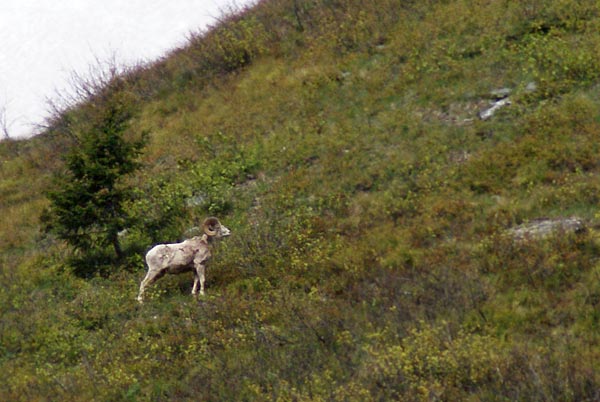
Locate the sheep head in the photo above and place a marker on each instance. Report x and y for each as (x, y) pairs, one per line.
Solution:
(213, 228)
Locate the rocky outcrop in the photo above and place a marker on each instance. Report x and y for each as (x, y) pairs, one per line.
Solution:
(542, 228)
(495, 106)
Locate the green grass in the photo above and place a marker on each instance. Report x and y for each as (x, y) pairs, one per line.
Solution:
(369, 206)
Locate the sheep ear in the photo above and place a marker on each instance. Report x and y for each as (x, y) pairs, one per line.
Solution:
(211, 226)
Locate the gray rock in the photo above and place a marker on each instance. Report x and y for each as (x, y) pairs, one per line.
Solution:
(195, 200)
(531, 87)
(489, 112)
(501, 93)
(541, 228)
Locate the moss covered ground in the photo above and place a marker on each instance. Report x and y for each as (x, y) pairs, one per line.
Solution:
(341, 143)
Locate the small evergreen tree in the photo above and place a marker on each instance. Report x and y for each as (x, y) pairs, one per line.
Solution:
(87, 202)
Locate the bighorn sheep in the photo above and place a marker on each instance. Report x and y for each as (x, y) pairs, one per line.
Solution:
(189, 255)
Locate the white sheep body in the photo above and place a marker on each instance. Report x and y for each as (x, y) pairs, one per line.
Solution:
(179, 257)
(189, 255)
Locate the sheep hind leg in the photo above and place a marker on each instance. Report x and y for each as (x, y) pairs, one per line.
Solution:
(150, 278)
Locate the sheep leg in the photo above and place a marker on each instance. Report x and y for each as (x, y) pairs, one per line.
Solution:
(150, 278)
(196, 282)
(199, 278)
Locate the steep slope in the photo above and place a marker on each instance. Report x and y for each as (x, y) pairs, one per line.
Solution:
(370, 203)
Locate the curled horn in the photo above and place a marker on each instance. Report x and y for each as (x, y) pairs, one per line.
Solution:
(211, 226)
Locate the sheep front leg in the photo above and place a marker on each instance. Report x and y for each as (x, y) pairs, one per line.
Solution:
(196, 282)
(199, 278)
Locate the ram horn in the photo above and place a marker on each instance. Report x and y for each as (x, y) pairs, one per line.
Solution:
(211, 226)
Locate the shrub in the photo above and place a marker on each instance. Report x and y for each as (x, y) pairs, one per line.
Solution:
(433, 362)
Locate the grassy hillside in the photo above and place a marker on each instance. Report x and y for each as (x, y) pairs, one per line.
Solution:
(371, 257)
